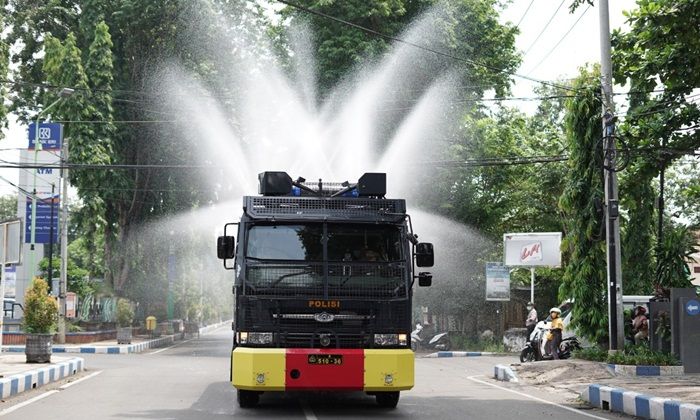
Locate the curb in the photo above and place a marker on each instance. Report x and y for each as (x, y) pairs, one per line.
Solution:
(504, 373)
(462, 354)
(121, 349)
(640, 405)
(212, 327)
(14, 384)
(631, 370)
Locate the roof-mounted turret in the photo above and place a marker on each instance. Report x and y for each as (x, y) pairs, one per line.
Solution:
(370, 185)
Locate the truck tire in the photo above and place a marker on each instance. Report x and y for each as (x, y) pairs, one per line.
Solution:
(247, 399)
(387, 399)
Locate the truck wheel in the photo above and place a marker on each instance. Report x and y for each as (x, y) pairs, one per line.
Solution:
(387, 399)
(247, 399)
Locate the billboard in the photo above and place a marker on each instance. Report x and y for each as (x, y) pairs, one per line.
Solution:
(50, 135)
(497, 282)
(532, 249)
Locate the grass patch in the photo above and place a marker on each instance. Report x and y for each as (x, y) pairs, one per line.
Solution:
(632, 355)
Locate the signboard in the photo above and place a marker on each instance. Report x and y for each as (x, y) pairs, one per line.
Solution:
(13, 254)
(11, 282)
(50, 135)
(497, 282)
(71, 304)
(532, 249)
(43, 220)
(692, 307)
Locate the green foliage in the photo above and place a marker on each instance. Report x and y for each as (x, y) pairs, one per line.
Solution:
(4, 61)
(40, 309)
(125, 313)
(639, 355)
(584, 254)
(673, 256)
(470, 28)
(78, 278)
(595, 354)
(8, 206)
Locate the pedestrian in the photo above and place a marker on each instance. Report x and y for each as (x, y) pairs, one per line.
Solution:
(555, 331)
(531, 320)
(640, 325)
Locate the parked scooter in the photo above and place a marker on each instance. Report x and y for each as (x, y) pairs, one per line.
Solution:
(439, 341)
(535, 348)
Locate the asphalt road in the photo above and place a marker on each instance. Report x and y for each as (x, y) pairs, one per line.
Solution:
(190, 381)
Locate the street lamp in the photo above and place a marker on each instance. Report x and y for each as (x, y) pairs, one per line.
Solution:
(64, 93)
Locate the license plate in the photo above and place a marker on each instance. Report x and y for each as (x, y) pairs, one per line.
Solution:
(325, 359)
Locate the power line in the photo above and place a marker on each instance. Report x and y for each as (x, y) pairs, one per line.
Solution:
(422, 47)
(545, 27)
(560, 41)
(525, 14)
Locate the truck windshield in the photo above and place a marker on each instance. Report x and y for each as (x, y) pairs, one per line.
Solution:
(362, 260)
(346, 242)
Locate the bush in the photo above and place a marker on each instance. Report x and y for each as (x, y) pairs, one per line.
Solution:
(632, 355)
(125, 313)
(40, 309)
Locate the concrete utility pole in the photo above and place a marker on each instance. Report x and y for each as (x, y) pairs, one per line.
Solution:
(612, 210)
(63, 288)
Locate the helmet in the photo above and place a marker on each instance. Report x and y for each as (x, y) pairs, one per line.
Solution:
(555, 309)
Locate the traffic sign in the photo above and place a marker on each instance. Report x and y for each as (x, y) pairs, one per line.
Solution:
(692, 307)
(50, 135)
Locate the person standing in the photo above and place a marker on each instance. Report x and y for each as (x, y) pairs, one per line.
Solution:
(640, 325)
(531, 320)
(555, 332)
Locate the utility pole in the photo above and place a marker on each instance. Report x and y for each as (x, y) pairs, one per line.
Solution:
(63, 288)
(612, 210)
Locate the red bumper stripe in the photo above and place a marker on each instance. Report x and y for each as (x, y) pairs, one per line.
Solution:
(300, 374)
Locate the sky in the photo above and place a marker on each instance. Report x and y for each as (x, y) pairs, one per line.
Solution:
(580, 46)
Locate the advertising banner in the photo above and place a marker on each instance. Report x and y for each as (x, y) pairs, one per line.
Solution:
(532, 249)
(50, 135)
(497, 282)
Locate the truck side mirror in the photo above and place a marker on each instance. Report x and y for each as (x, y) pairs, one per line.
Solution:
(225, 247)
(424, 255)
(425, 279)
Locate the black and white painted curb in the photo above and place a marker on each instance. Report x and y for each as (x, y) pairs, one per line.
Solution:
(35, 378)
(639, 405)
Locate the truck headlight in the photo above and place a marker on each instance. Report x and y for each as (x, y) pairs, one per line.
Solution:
(255, 338)
(390, 339)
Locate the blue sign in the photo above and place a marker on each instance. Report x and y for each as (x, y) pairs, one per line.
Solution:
(43, 221)
(50, 135)
(692, 307)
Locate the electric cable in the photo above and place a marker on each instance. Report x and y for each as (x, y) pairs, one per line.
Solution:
(524, 14)
(543, 29)
(559, 42)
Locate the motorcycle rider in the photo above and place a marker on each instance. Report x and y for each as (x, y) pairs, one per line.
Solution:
(555, 332)
(531, 320)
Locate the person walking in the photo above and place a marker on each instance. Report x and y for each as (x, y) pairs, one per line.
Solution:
(531, 320)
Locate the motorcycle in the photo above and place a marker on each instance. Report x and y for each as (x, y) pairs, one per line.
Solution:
(440, 341)
(535, 348)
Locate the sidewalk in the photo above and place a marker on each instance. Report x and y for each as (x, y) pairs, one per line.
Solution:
(598, 384)
(18, 376)
(138, 344)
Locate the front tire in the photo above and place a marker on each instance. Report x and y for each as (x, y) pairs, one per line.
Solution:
(527, 355)
(247, 399)
(387, 399)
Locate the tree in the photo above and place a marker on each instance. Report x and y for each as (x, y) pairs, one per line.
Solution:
(8, 207)
(4, 60)
(656, 56)
(584, 255)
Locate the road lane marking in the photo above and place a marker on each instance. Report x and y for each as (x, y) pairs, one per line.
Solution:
(169, 347)
(522, 394)
(308, 412)
(29, 401)
(84, 378)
